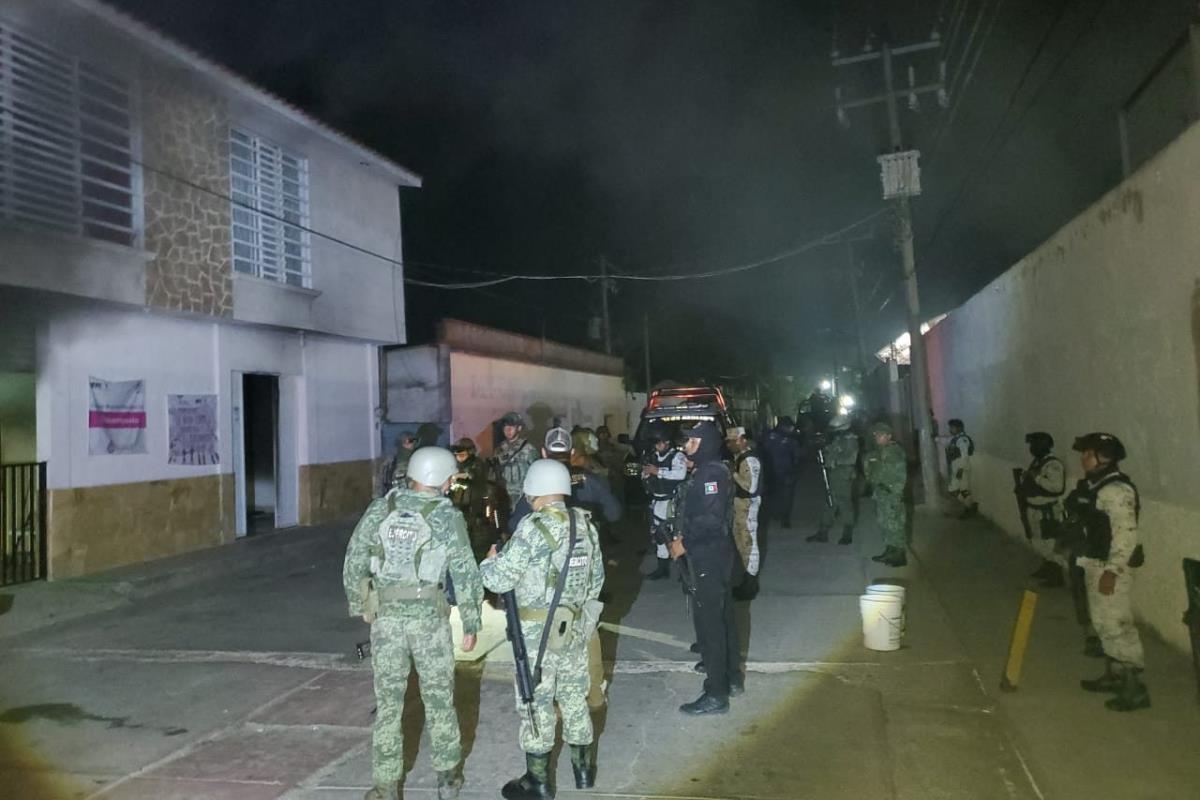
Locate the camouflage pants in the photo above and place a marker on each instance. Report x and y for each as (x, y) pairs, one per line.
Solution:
(889, 513)
(841, 486)
(745, 531)
(401, 638)
(565, 680)
(1112, 616)
(959, 484)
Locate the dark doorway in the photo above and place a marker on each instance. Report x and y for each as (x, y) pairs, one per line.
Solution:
(260, 398)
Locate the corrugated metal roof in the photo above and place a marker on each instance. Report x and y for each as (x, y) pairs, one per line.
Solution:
(195, 61)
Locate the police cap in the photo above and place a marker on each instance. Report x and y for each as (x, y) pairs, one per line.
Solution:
(1104, 445)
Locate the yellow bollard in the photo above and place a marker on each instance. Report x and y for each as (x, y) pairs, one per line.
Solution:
(1020, 641)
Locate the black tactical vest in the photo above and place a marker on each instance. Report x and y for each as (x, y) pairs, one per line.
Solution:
(1097, 527)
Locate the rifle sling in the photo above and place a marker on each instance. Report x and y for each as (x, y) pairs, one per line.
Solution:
(559, 587)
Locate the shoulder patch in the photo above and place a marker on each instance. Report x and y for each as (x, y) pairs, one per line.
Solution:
(711, 487)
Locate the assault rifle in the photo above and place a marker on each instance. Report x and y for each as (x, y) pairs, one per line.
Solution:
(516, 637)
(825, 477)
(664, 535)
(1022, 504)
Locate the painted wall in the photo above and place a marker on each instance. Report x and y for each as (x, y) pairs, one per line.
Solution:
(1097, 329)
(327, 391)
(483, 389)
(18, 428)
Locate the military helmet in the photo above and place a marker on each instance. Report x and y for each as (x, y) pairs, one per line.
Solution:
(547, 476)
(881, 427)
(734, 432)
(957, 423)
(1104, 445)
(840, 423)
(513, 418)
(1040, 439)
(557, 441)
(431, 466)
(584, 441)
(464, 445)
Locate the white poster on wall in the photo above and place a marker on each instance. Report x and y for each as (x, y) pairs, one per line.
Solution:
(116, 417)
(192, 422)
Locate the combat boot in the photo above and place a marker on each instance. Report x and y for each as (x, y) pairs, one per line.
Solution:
(534, 784)
(1053, 577)
(899, 558)
(583, 765)
(822, 535)
(1110, 681)
(885, 555)
(847, 534)
(384, 791)
(663, 570)
(1042, 572)
(1133, 694)
(449, 783)
(1092, 647)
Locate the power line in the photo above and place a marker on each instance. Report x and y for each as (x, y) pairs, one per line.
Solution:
(982, 166)
(828, 238)
(958, 92)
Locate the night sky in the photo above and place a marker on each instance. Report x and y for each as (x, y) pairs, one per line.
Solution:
(685, 136)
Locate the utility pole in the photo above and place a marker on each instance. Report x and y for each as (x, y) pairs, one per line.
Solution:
(604, 305)
(858, 322)
(646, 346)
(902, 180)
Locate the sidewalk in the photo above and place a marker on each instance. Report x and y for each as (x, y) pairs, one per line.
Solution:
(239, 682)
(30, 606)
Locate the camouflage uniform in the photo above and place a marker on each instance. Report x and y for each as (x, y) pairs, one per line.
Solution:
(887, 471)
(468, 494)
(841, 457)
(958, 462)
(513, 459)
(529, 564)
(1112, 615)
(747, 479)
(412, 627)
(1043, 484)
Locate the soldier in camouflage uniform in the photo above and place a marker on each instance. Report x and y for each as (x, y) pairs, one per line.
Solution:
(395, 569)
(1105, 504)
(468, 492)
(747, 476)
(513, 457)
(392, 473)
(841, 462)
(531, 564)
(886, 470)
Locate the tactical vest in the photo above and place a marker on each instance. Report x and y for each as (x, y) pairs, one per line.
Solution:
(1097, 527)
(1035, 468)
(579, 570)
(953, 452)
(411, 554)
(508, 466)
(662, 488)
(738, 491)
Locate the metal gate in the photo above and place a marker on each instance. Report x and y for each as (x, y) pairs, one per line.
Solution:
(22, 523)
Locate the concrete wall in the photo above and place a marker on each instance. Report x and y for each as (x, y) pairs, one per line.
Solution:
(327, 391)
(1097, 329)
(483, 389)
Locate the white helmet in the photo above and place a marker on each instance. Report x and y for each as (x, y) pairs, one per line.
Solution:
(431, 466)
(547, 476)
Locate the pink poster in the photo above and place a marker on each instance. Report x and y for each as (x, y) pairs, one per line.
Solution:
(116, 417)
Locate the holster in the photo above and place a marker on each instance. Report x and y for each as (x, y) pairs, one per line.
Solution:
(366, 587)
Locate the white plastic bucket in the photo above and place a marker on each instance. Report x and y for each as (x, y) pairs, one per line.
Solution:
(881, 619)
(892, 590)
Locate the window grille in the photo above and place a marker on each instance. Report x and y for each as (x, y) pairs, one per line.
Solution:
(66, 143)
(269, 187)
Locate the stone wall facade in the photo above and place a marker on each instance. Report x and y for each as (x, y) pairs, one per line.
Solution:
(185, 149)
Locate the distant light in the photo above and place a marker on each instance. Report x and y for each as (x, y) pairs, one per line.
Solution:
(826, 385)
(847, 401)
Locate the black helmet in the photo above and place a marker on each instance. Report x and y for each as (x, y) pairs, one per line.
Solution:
(957, 423)
(1104, 445)
(1040, 440)
(657, 433)
(513, 418)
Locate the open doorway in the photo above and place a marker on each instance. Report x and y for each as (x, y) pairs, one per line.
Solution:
(260, 399)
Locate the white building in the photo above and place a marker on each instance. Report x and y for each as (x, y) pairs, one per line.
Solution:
(164, 221)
